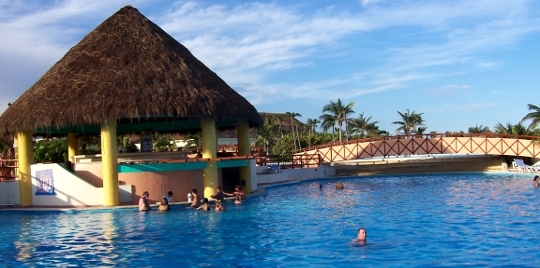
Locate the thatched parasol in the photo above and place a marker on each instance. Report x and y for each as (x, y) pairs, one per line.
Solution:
(128, 68)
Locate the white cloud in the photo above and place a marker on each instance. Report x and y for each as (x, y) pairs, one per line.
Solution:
(395, 44)
(447, 90)
(366, 3)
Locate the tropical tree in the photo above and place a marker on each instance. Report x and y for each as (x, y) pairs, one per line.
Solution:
(163, 143)
(410, 121)
(337, 113)
(90, 144)
(265, 134)
(478, 129)
(421, 130)
(50, 150)
(196, 137)
(509, 128)
(126, 145)
(534, 116)
(5, 145)
(293, 115)
(329, 124)
(311, 124)
(283, 146)
(363, 127)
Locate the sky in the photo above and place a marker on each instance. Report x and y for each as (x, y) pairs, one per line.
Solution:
(461, 63)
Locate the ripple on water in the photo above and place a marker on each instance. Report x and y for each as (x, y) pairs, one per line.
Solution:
(427, 220)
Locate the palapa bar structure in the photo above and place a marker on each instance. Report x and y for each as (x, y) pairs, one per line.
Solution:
(127, 76)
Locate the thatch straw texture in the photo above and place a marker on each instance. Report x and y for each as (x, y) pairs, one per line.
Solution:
(131, 70)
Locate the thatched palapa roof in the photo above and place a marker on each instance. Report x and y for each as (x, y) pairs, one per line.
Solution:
(127, 68)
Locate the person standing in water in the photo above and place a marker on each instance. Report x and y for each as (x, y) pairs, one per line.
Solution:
(195, 196)
(143, 202)
(238, 193)
(536, 180)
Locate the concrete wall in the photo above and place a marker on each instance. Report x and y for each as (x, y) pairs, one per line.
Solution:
(159, 183)
(461, 164)
(287, 175)
(70, 190)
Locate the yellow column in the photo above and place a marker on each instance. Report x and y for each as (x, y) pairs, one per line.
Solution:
(242, 132)
(73, 145)
(209, 150)
(25, 152)
(109, 164)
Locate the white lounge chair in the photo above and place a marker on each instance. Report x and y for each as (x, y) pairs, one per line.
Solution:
(521, 166)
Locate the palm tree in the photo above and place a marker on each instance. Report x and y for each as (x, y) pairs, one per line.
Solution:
(411, 120)
(337, 113)
(421, 130)
(478, 129)
(311, 124)
(534, 116)
(329, 124)
(509, 128)
(264, 134)
(363, 127)
(293, 115)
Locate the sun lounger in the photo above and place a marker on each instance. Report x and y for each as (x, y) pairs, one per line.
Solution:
(521, 166)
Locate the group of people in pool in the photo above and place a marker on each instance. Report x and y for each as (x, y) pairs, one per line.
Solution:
(219, 197)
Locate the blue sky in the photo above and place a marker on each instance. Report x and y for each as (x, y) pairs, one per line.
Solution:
(460, 63)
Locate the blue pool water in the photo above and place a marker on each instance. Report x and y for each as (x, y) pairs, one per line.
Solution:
(472, 220)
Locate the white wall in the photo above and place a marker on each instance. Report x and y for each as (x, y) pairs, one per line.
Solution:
(297, 174)
(70, 190)
(10, 193)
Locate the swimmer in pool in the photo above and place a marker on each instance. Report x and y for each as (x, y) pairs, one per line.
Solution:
(238, 193)
(205, 206)
(361, 238)
(219, 206)
(536, 180)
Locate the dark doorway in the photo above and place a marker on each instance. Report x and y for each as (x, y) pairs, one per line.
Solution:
(231, 178)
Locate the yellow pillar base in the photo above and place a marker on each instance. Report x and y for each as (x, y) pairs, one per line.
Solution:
(210, 179)
(209, 150)
(109, 162)
(25, 152)
(242, 132)
(73, 145)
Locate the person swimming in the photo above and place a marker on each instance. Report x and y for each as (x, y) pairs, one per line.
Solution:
(361, 237)
(536, 180)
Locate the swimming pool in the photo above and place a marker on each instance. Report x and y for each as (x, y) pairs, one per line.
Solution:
(414, 220)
